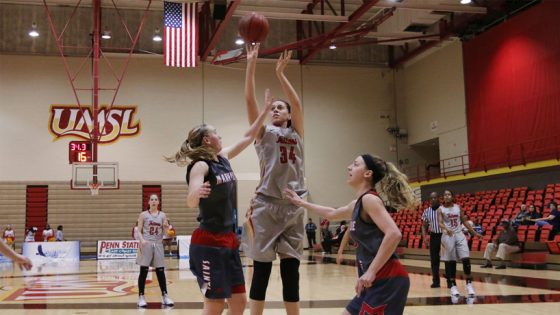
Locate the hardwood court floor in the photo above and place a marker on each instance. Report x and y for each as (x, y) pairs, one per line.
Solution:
(109, 287)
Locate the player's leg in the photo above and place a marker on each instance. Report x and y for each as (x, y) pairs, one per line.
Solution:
(259, 284)
(236, 304)
(290, 250)
(144, 259)
(289, 272)
(238, 299)
(213, 306)
(262, 230)
(462, 249)
(449, 257)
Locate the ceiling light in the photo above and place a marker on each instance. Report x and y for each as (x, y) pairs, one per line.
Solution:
(239, 41)
(106, 34)
(157, 36)
(33, 32)
(466, 1)
(332, 46)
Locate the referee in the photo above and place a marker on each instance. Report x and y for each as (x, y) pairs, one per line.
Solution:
(430, 218)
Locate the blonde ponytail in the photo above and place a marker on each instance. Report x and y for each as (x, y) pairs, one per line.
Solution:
(390, 183)
(395, 188)
(193, 148)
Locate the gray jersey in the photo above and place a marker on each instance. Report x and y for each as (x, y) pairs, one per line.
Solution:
(152, 228)
(452, 218)
(280, 154)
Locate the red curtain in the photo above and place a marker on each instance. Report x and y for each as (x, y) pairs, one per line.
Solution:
(512, 83)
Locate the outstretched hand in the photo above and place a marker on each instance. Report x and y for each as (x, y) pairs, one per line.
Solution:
(293, 197)
(23, 262)
(283, 61)
(252, 51)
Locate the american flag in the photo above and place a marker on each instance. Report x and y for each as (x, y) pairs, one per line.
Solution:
(180, 34)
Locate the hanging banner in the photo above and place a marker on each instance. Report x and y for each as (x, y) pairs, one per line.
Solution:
(71, 121)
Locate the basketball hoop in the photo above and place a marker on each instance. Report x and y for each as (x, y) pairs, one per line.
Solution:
(94, 188)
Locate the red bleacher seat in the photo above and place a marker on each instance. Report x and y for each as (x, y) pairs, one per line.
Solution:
(531, 235)
(475, 244)
(545, 232)
(521, 236)
(554, 245)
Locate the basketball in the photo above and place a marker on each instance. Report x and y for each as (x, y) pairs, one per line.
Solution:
(253, 27)
(171, 233)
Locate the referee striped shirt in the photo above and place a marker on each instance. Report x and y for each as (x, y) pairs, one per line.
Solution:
(430, 216)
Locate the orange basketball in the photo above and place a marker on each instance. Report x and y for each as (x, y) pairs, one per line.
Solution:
(253, 27)
(171, 233)
(9, 240)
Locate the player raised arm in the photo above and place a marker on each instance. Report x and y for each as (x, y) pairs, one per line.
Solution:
(250, 96)
(250, 135)
(290, 92)
(344, 212)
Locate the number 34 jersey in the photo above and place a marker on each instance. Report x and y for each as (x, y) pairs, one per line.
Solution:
(452, 218)
(280, 154)
(152, 230)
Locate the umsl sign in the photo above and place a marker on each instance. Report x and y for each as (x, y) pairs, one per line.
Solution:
(117, 249)
(114, 122)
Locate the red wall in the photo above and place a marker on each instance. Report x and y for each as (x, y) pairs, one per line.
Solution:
(512, 82)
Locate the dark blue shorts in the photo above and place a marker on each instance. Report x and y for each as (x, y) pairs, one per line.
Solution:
(387, 295)
(218, 270)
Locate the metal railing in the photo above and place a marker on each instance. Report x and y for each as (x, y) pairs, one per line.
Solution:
(507, 156)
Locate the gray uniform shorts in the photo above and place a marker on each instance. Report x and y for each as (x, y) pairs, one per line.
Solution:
(273, 228)
(151, 255)
(454, 247)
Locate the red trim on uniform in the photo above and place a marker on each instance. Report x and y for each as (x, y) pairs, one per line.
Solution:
(392, 269)
(240, 288)
(372, 192)
(207, 238)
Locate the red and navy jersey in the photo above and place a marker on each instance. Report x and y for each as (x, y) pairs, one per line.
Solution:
(368, 236)
(217, 211)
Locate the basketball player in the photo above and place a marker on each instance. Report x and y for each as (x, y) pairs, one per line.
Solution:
(152, 223)
(275, 226)
(454, 244)
(48, 234)
(214, 249)
(22, 261)
(383, 284)
(9, 236)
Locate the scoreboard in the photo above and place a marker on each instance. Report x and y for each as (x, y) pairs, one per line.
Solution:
(80, 152)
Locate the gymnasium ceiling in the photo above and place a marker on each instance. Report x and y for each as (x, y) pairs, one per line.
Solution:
(384, 33)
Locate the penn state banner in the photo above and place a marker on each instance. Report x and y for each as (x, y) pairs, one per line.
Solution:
(111, 249)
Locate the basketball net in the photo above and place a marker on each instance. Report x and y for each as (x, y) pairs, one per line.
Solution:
(94, 188)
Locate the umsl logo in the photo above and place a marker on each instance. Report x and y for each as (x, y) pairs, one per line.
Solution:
(69, 120)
